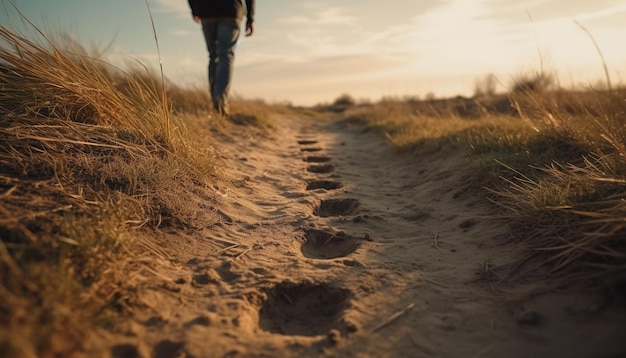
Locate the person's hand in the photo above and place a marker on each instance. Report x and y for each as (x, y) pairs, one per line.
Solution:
(249, 28)
(197, 19)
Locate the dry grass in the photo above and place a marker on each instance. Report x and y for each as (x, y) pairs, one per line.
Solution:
(555, 160)
(576, 207)
(94, 160)
(193, 102)
(254, 113)
(90, 160)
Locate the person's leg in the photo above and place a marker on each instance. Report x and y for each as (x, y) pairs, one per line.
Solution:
(227, 36)
(209, 28)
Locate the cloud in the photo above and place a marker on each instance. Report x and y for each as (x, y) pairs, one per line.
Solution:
(322, 69)
(322, 46)
(603, 13)
(178, 7)
(326, 17)
(553, 9)
(323, 32)
(323, 78)
(523, 12)
(559, 42)
(449, 37)
(181, 32)
(453, 33)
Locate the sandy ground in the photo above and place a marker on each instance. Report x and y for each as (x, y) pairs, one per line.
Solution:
(329, 244)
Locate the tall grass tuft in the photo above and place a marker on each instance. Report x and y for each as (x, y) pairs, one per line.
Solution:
(576, 208)
(88, 157)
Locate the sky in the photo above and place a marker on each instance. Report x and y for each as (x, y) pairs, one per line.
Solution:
(311, 51)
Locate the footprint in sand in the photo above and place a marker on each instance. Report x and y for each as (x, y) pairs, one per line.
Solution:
(210, 277)
(325, 245)
(125, 351)
(307, 142)
(311, 149)
(305, 309)
(323, 184)
(336, 207)
(215, 276)
(226, 273)
(169, 349)
(198, 321)
(317, 159)
(321, 169)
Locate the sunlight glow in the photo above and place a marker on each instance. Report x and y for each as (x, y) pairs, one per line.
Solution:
(310, 51)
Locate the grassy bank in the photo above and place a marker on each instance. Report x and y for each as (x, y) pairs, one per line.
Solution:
(554, 160)
(93, 160)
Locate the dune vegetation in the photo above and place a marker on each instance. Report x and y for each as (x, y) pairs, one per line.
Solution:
(94, 159)
(551, 160)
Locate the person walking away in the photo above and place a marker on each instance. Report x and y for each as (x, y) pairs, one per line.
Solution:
(221, 21)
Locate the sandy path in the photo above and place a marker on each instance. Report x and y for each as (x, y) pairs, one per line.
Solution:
(329, 244)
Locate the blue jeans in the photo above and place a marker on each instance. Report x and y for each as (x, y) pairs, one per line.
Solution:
(221, 36)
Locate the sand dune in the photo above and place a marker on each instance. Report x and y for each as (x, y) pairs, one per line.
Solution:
(330, 244)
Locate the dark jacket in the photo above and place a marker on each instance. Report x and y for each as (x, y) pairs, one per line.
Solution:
(222, 8)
